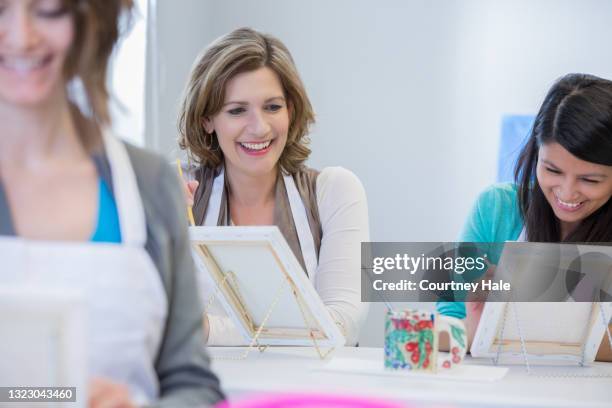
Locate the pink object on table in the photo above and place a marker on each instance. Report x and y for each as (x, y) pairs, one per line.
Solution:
(311, 401)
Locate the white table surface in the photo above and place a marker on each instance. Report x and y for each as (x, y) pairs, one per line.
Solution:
(294, 369)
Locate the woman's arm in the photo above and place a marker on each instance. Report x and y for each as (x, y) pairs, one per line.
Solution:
(222, 331)
(343, 211)
(605, 352)
(472, 232)
(493, 218)
(182, 364)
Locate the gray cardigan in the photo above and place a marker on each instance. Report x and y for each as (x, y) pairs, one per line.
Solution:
(182, 364)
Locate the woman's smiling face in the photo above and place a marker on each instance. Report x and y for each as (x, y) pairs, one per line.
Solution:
(35, 39)
(574, 188)
(253, 123)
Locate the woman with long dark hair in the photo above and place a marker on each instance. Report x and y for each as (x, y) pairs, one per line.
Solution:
(563, 181)
(564, 173)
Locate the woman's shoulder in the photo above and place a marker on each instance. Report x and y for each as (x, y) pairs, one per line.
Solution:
(150, 168)
(339, 191)
(338, 177)
(329, 182)
(496, 216)
(159, 186)
(499, 197)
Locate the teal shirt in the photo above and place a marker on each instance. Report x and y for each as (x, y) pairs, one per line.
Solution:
(107, 228)
(495, 217)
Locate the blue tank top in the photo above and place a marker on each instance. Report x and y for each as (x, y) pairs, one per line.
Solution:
(107, 228)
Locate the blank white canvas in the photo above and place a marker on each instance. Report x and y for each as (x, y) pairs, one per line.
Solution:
(260, 288)
(249, 252)
(547, 321)
(43, 339)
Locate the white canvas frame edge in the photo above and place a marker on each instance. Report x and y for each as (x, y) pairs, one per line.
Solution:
(67, 308)
(485, 334)
(486, 330)
(273, 236)
(482, 345)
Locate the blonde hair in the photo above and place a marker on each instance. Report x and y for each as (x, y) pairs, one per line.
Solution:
(242, 50)
(97, 30)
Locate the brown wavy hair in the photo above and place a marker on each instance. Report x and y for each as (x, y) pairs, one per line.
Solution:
(96, 31)
(242, 50)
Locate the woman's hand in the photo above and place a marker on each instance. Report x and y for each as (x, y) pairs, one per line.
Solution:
(473, 312)
(481, 295)
(475, 305)
(206, 327)
(104, 393)
(190, 188)
(605, 349)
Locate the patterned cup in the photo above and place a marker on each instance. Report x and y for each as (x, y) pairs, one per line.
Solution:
(411, 340)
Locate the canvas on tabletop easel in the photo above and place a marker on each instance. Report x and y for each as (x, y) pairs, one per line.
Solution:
(263, 288)
(566, 335)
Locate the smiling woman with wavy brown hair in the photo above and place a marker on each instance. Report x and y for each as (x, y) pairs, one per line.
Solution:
(245, 119)
(241, 51)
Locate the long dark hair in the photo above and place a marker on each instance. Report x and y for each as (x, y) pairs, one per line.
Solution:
(577, 114)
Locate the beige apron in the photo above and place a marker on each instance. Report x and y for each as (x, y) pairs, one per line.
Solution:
(126, 301)
(296, 212)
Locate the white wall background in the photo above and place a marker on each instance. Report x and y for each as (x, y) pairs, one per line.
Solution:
(178, 31)
(408, 93)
